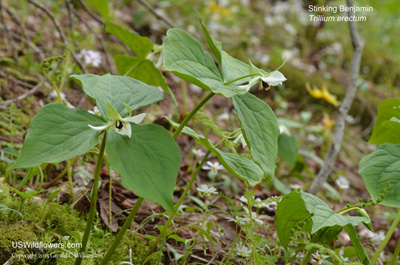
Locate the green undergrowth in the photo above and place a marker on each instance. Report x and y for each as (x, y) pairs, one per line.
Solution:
(52, 223)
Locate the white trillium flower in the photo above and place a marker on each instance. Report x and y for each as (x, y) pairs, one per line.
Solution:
(242, 250)
(274, 79)
(122, 125)
(207, 191)
(214, 167)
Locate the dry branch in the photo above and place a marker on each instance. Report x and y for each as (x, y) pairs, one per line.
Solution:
(358, 46)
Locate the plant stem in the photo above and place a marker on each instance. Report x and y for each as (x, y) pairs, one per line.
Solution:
(71, 186)
(190, 115)
(122, 231)
(307, 257)
(178, 204)
(395, 254)
(242, 77)
(92, 211)
(387, 238)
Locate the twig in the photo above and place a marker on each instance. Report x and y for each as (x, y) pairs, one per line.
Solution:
(93, 15)
(358, 45)
(71, 23)
(61, 33)
(11, 47)
(160, 17)
(29, 43)
(23, 96)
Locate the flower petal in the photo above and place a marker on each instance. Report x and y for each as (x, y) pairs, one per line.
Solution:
(135, 119)
(125, 130)
(276, 78)
(99, 128)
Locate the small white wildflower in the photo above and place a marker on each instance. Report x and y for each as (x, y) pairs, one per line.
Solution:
(242, 250)
(243, 199)
(295, 186)
(223, 116)
(94, 111)
(198, 152)
(342, 182)
(90, 57)
(207, 191)
(214, 167)
(318, 257)
(378, 237)
(253, 216)
(238, 220)
(53, 95)
(271, 206)
(341, 252)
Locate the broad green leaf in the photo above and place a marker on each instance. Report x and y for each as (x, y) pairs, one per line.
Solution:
(288, 149)
(148, 162)
(143, 70)
(215, 46)
(185, 57)
(232, 69)
(58, 133)
(380, 167)
(358, 247)
(260, 130)
(118, 90)
(386, 129)
(299, 205)
(239, 166)
(101, 6)
(291, 210)
(139, 44)
(324, 216)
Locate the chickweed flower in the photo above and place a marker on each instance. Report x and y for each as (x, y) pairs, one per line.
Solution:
(207, 191)
(90, 57)
(238, 220)
(242, 250)
(342, 182)
(214, 167)
(198, 152)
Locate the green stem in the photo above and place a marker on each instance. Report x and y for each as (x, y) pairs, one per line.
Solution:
(307, 257)
(122, 231)
(188, 117)
(347, 210)
(178, 204)
(240, 78)
(71, 186)
(395, 254)
(387, 238)
(92, 211)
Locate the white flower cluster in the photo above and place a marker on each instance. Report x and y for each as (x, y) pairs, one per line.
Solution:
(90, 57)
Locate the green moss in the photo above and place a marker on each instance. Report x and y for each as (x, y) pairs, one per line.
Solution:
(12, 234)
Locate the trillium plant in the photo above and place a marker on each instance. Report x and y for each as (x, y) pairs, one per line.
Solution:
(147, 157)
